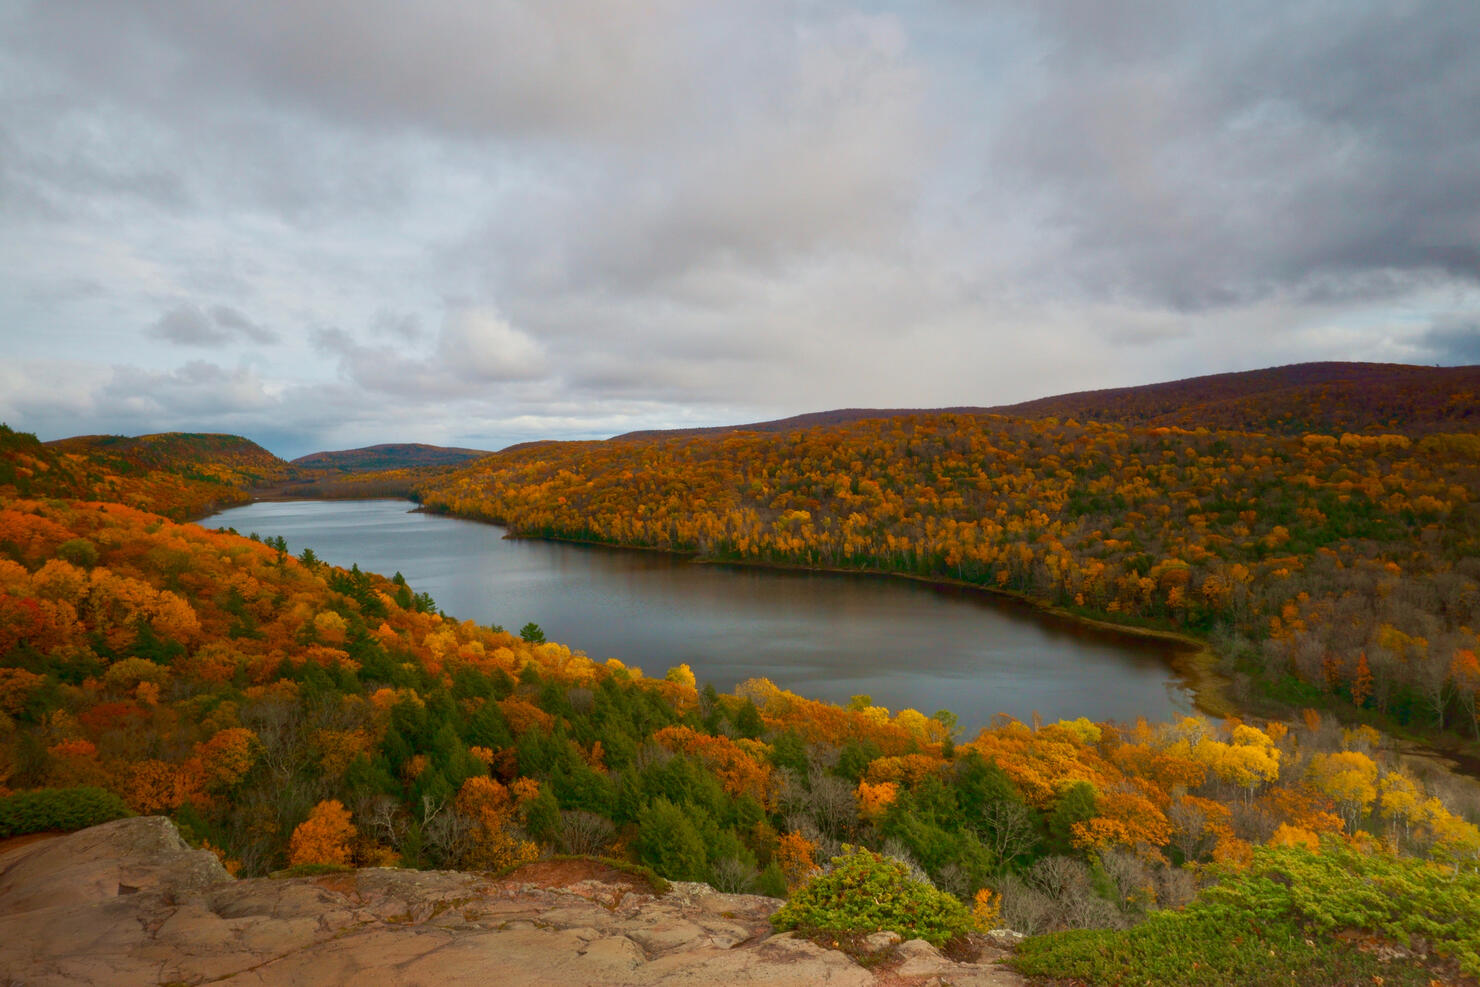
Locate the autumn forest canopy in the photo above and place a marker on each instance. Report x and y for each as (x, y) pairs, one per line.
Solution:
(1315, 527)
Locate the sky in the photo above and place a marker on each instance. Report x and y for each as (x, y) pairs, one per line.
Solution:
(330, 223)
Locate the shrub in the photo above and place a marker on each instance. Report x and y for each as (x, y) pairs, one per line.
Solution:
(66, 809)
(1294, 916)
(864, 892)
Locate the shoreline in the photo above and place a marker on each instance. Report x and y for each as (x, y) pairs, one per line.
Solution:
(1194, 665)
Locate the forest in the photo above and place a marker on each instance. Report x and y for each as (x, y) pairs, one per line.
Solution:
(289, 714)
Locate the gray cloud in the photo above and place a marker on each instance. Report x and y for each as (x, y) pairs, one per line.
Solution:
(189, 325)
(195, 389)
(1200, 155)
(447, 66)
(474, 348)
(1454, 343)
(404, 326)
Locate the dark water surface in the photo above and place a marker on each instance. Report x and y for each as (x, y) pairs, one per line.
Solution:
(822, 635)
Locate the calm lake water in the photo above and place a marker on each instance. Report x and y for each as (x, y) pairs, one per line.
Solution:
(822, 635)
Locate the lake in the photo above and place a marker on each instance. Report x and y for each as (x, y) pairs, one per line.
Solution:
(824, 635)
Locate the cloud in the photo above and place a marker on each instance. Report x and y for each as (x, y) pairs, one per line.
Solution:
(478, 345)
(231, 320)
(1452, 343)
(404, 326)
(705, 212)
(188, 325)
(451, 67)
(1196, 156)
(819, 152)
(195, 390)
(474, 348)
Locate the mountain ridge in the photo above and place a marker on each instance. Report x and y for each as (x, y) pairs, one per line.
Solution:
(388, 456)
(1223, 400)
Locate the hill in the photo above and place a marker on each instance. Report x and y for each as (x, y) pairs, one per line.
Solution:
(177, 474)
(1290, 400)
(388, 456)
(213, 455)
(814, 419)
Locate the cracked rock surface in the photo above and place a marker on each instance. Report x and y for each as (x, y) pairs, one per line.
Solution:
(129, 902)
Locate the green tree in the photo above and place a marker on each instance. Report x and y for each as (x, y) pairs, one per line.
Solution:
(669, 843)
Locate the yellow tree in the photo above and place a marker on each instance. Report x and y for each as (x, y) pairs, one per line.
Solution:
(1455, 840)
(324, 837)
(492, 809)
(1348, 777)
(797, 857)
(1249, 760)
(874, 800)
(1400, 802)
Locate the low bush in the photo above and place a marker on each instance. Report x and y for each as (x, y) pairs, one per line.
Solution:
(1295, 916)
(864, 892)
(42, 809)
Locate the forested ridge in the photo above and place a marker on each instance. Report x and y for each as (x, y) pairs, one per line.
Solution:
(388, 456)
(185, 475)
(1343, 563)
(1303, 397)
(1330, 397)
(289, 713)
(176, 474)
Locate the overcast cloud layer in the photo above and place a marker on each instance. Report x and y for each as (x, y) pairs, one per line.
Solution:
(329, 223)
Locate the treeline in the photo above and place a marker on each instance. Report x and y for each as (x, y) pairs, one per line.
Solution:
(286, 712)
(307, 483)
(1346, 564)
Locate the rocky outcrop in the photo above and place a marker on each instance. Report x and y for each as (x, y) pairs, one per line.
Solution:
(129, 903)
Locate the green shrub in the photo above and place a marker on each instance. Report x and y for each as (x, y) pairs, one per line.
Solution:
(66, 809)
(864, 892)
(1278, 923)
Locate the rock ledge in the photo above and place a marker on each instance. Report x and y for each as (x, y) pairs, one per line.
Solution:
(129, 902)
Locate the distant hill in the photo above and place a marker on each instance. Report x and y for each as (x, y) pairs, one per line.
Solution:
(813, 419)
(1291, 400)
(388, 456)
(1302, 397)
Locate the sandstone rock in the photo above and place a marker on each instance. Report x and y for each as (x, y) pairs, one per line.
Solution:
(123, 857)
(130, 903)
(920, 959)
